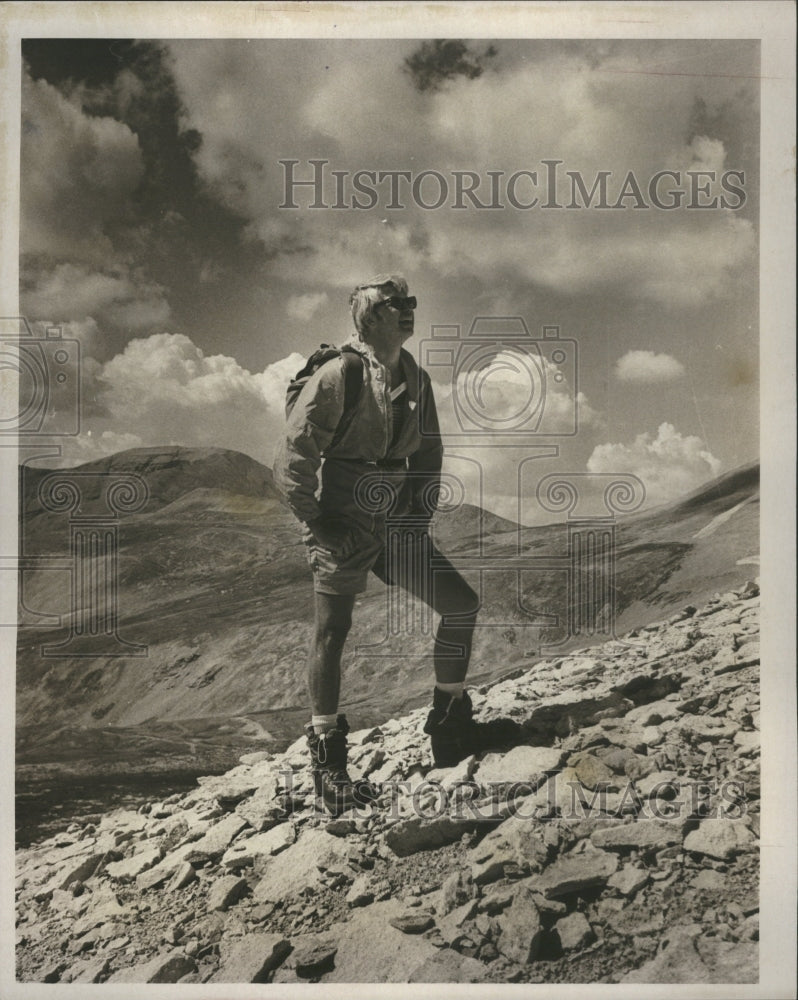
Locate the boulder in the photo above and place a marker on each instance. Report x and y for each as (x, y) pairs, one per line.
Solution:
(299, 867)
(183, 876)
(517, 841)
(643, 833)
(720, 838)
(103, 906)
(260, 845)
(361, 893)
(447, 966)
(565, 792)
(313, 957)
(594, 773)
(700, 728)
(216, 841)
(521, 928)
(686, 955)
(628, 880)
(748, 740)
(93, 970)
(165, 869)
(521, 764)
(372, 950)
(129, 868)
(250, 959)
(226, 891)
(417, 834)
(574, 873)
(231, 787)
(457, 889)
(165, 968)
(449, 777)
(615, 757)
(263, 809)
(451, 925)
(709, 880)
(412, 922)
(574, 931)
(658, 784)
(77, 870)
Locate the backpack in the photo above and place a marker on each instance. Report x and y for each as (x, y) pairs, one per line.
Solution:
(353, 382)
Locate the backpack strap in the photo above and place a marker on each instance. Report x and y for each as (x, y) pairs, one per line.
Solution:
(353, 383)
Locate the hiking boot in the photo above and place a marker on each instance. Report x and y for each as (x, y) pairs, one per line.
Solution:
(455, 734)
(452, 730)
(328, 754)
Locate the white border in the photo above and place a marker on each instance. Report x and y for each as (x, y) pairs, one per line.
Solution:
(772, 22)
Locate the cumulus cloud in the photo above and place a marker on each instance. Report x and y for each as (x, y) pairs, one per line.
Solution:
(79, 173)
(304, 307)
(168, 391)
(74, 292)
(646, 366)
(513, 391)
(669, 464)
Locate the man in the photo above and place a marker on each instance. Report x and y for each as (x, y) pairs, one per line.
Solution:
(346, 538)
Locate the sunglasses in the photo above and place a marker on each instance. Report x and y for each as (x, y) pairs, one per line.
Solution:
(400, 303)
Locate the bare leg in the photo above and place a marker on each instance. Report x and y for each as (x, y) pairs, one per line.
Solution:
(448, 594)
(331, 627)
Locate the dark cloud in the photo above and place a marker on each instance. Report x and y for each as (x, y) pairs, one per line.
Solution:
(110, 184)
(444, 59)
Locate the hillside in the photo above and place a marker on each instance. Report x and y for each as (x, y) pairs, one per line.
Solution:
(212, 578)
(616, 841)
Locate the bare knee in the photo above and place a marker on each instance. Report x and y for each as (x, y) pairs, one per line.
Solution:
(461, 606)
(331, 631)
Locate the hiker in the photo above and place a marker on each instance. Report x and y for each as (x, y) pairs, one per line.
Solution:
(377, 434)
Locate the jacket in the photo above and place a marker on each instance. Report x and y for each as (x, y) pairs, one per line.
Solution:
(305, 446)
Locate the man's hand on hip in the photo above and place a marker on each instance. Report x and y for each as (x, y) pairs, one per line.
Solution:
(331, 532)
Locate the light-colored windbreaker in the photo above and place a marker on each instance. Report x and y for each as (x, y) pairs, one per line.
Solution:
(305, 447)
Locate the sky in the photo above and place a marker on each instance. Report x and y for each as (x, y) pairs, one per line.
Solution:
(156, 229)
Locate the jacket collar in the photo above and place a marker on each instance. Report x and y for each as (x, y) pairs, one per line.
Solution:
(408, 361)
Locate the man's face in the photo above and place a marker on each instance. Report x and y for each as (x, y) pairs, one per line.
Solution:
(392, 321)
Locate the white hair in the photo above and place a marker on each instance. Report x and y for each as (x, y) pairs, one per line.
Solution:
(369, 294)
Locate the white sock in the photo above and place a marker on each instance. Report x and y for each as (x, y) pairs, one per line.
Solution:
(455, 690)
(323, 723)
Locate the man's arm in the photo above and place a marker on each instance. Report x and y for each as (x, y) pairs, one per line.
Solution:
(309, 429)
(425, 464)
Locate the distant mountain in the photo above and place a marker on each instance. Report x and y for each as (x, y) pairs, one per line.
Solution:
(212, 578)
(714, 497)
(171, 473)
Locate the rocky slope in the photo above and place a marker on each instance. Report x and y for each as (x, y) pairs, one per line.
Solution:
(616, 841)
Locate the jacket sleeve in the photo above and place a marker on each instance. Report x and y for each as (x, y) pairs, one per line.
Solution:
(309, 429)
(425, 464)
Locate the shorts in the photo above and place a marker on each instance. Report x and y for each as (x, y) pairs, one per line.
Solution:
(345, 571)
